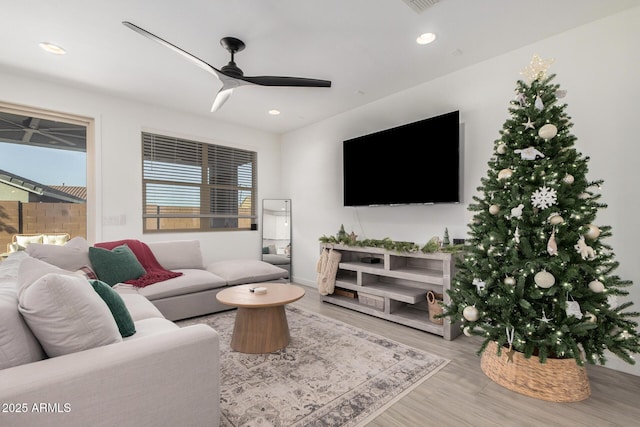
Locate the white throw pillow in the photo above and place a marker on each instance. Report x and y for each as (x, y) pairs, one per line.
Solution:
(240, 271)
(71, 256)
(62, 310)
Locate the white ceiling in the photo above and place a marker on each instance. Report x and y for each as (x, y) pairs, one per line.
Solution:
(366, 48)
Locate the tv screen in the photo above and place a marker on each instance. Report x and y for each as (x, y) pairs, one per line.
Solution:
(416, 163)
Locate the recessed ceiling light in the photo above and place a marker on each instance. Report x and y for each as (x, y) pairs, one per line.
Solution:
(52, 48)
(426, 38)
(274, 112)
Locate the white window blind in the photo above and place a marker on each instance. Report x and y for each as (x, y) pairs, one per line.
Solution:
(190, 185)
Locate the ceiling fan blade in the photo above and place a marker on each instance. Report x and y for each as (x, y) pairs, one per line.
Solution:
(221, 98)
(199, 62)
(286, 81)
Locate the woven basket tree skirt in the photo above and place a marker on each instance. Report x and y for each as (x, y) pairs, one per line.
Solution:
(556, 380)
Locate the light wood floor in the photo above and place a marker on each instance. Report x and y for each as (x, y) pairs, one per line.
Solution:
(462, 395)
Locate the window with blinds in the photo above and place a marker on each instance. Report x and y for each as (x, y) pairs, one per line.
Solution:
(194, 186)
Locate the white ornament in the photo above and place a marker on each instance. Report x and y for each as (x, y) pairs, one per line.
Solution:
(502, 148)
(479, 284)
(547, 131)
(555, 219)
(552, 247)
(568, 179)
(517, 211)
(573, 309)
(561, 93)
(528, 124)
(544, 197)
(510, 281)
(539, 104)
(584, 196)
(467, 331)
(471, 313)
(494, 209)
(593, 232)
(505, 173)
(516, 234)
(585, 251)
(544, 279)
(590, 317)
(544, 318)
(529, 153)
(596, 286)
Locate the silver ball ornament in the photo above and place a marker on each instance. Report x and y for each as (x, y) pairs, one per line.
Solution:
(593, 232)
(596, 286)
(544, 279)
(556, 220)
(505, 173)
(471, 313)
(548, 131)
(494, 209)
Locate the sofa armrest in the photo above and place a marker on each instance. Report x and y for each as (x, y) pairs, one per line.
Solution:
(171, 378)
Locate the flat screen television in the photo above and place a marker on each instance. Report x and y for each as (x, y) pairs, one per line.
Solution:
(416, 163)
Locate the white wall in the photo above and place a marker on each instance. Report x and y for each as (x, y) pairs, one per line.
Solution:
(118, 163)
(597, 64)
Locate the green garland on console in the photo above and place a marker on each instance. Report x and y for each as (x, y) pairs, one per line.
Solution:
(387, 243)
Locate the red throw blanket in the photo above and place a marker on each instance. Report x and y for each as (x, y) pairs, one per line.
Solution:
(155, 271)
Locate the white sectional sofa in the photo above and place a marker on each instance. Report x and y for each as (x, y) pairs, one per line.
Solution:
(65, 360)
(193, 293)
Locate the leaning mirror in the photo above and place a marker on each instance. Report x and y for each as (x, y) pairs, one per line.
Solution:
(276, 232)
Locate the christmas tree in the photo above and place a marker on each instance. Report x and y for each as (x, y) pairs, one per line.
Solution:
(537, 276)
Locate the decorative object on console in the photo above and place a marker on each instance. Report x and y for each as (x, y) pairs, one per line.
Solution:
(398, 246)
(327, 268)
(435, 308)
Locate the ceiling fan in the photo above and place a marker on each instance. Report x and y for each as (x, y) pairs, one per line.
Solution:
(231, 76)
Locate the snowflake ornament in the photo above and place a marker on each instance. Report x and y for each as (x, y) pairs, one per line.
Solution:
(544, 197)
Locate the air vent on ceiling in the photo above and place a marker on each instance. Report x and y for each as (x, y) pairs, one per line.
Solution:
(420, 6)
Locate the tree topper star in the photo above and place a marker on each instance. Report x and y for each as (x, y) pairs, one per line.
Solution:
(537, 68)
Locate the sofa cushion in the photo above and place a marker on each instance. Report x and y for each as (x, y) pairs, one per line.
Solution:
(139, 307)
(72, 256)
(18, 345)
(152, 326)
(62, 310)
(24, 240)
(192, 280)
(55, 239)
(117, 265)
(240, 271)
(177, 254)
(116, 306)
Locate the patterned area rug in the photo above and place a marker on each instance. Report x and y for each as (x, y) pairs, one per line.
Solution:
(330, 374)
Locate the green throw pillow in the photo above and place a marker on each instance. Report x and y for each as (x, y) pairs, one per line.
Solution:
(116, 306)
(115, 266)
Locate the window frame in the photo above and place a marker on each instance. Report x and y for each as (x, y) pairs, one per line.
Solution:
(223, 198)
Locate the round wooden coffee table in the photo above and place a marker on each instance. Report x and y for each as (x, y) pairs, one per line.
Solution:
(261, 323)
